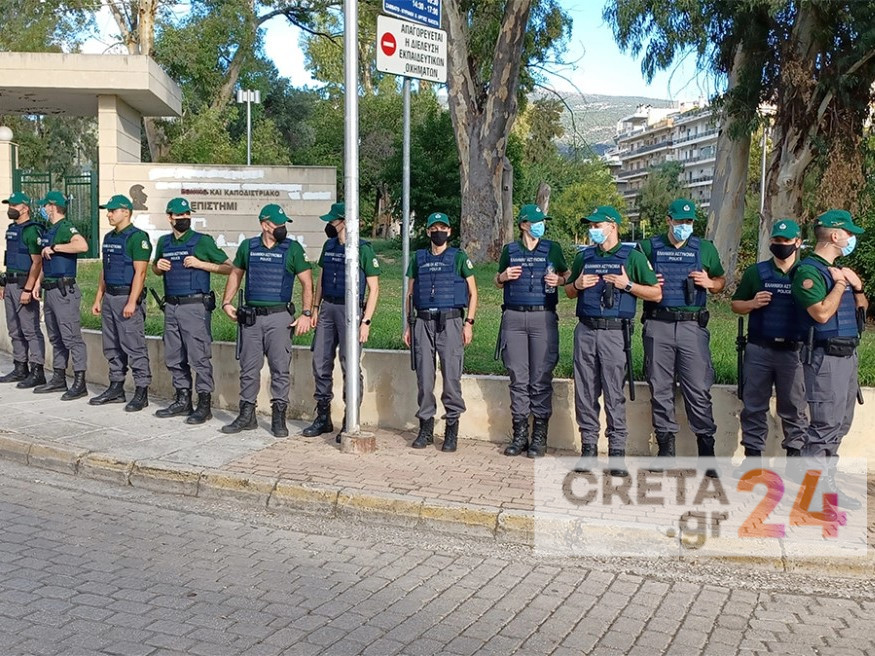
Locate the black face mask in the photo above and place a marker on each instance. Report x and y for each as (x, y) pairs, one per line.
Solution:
(782, 251)
(280, 233)
(330, 231)
(439, 238)
(13, 214)
(182, 225)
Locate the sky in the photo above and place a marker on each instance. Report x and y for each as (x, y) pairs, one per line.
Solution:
(596, 65)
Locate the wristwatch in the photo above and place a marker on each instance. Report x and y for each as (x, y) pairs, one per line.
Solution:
(367, 322)
(306, 313)
(628, 287)
(469, 321)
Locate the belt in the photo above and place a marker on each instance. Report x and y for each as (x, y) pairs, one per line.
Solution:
(60, 282)
(600, 323)
(671, 315)
(118, 290)
(270, 309)
(528, 308)
(185, 300)
(336, 300)
(16, 278)
(431, 314)
(777, 344)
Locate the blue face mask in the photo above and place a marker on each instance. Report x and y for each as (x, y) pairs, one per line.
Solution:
(597, 235)
(537, 229)
(682, 232)
(44, 215)
(848, 248)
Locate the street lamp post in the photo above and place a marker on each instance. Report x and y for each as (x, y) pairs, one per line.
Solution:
(248, 97)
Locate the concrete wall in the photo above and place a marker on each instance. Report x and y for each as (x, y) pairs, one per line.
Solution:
(390, 400)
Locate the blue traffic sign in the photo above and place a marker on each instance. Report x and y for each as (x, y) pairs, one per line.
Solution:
(426, 12)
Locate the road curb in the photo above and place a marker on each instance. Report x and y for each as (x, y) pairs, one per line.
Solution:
(166, 477)
(398, 509)
(14, 449)
(64, 460)
(311, 498)
(107, 468)
(221, 484)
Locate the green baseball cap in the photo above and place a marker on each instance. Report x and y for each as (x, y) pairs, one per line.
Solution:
(178, 206)
(18, 198)
(786, 228)
(531, 213)
(337, 211)
(437, 217)
(54, 198)
(604, 213)
(118, 202)
(682, 209)
(273, 213)
(838, 219)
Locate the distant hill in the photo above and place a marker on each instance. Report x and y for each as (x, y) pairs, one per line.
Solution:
(595, 117)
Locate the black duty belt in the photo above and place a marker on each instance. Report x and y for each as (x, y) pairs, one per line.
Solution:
(270, 309)
(16, 278)
(841, 347)
(60, 282)
(336, 300)
(189, 299)
(671, 315)
(776, 344)
(528, 308)
(118, 290)
(433, 314)
(601, 323)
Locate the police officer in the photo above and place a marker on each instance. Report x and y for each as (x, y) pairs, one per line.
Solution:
(831, 296)
(61, 245)
(330, 321)
(185, 259)
(771, 356)
(442, 287)
(120, 294)
(675, 336)
(20, 294)
(529, 271)
(606, 279)
(271, 263)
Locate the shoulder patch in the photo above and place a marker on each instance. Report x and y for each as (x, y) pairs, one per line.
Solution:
(649, 265)
(469, 263)
(144, 244)
(376, 263)
(808, 283)
(306, 259)
(73, 230)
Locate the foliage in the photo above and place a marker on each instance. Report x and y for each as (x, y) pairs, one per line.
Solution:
(46, 25)
(662, 186)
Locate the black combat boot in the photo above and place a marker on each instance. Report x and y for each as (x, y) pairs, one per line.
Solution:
(451, 435)
(538, 447)
(588, 455)
(58, 383)
(78, 389)
(115, 393)
(181, 406)
(520, 440)
(18, 373)
(322, 423)
(792, 453)
(753, 459)
(705, 445)
(140, 400)
(245, 420)
(341, 431)
(203, 411)
(426, 434)
(37, 376)
(665, 442)
(617, 461)
(278, 426)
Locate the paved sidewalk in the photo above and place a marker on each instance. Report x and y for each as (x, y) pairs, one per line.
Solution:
(476, 490)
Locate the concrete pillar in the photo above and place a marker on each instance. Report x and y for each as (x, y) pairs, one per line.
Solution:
(7, 166)
(118, 139)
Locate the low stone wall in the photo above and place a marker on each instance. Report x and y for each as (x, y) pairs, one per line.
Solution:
(390, 400)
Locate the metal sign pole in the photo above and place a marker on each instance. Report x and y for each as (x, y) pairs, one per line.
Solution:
(248, 129)
(351, 194)
(405, 203)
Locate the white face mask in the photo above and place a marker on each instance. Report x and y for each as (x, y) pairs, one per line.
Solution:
(848, 248)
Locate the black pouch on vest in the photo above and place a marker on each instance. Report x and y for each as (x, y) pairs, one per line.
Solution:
(703, 318)
(690, 292)
(839, 347)
(210, 301)
(607, 299)
(290, 308)
(2, 279)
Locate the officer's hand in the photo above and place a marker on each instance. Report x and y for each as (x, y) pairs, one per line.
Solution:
(129, 309)
(191, 262)
(660, 279)
(853, 279)
(163, 264)
(702, 279)
(552, 279)
(364, 333)
(618, 280)
(467, 334)
(406, 337)
(761, 299)
(230, 311)
(36, 291)
(314, 320)
(512, 273)
(587, 280)
(47, 253)
(25, 297)
(95, 309)
(2, 293)
(302, 325)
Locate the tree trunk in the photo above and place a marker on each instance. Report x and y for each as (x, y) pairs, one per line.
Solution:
(542, 198)
(482, 224)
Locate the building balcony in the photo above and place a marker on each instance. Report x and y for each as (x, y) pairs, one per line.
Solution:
(696, 137)
(648, 148)
(698, 182)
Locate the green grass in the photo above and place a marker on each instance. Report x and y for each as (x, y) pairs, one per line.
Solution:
(386, 328)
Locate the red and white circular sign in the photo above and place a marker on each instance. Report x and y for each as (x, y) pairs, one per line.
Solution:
(388, 44)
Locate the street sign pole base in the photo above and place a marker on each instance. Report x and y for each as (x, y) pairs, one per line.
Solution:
(361, 442)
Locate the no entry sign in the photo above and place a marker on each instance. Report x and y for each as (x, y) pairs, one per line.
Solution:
(411, 50)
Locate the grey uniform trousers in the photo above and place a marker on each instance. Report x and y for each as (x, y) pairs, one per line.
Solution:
(22, 321)
(764, 367)
(831, 390)
(188, 346)
(329, 337)
(270, 336)
(449, 347)
(64, 327)
(681, 345)
(124, 341)
(600, 368)
(530, 351)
